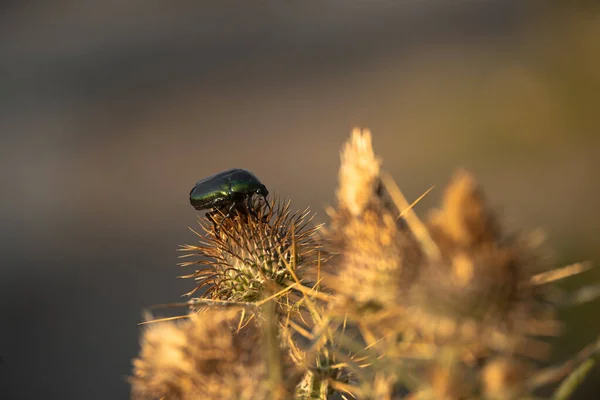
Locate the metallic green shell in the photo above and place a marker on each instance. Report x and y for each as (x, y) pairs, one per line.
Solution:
(225, 188)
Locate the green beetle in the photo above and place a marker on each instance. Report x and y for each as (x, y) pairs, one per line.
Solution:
(227, 190)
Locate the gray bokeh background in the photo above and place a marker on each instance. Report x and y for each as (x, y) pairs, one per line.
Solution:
(111, 111)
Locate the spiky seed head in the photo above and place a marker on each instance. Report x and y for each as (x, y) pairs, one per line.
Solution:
(480, 287)
(205, 357)
(250, 257)
(454, 291)
(375, 252)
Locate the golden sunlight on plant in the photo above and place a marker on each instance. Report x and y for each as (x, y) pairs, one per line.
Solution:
(376, 304)
(248, 258)
(213, 355)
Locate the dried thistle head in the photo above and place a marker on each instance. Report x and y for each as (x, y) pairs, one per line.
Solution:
(374, 262)
(264, 256)
(455, 290)
(205, 357)
(375, 252)
(250, 257)
(478, 290)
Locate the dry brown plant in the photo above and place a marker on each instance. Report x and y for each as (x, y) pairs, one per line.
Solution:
(377, 304)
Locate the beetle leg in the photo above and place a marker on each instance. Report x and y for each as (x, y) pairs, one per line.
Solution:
(228, 214)
(230, 209)
(218, 227)
(268, 213)
(224, 216)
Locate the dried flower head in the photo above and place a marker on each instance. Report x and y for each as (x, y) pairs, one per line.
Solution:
(250, 257)
(479, 287)
(375, 251)
(443, 298)
(205, 357)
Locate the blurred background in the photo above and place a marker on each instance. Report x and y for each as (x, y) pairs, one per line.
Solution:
(111, 111)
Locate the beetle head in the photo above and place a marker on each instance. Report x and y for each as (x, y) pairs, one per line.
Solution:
(262, 190)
